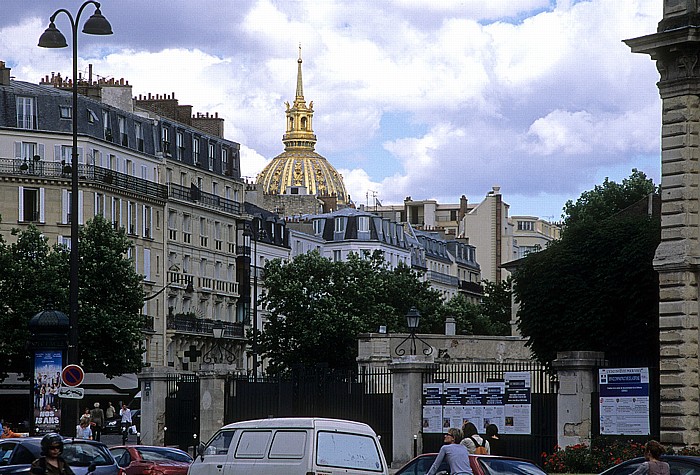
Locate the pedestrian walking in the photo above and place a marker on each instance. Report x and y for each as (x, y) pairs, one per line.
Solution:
(473, 441)
(110, 412)
(97, 415)
(653, 466)
(497, 445)
(125, 413)
(51, 462)
(454, 453)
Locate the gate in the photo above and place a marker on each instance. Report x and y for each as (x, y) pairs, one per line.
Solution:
(316, 392)
(543, 407)
(182, 410)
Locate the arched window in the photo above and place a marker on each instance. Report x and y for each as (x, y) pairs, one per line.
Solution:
(291, 123)
(303, 123)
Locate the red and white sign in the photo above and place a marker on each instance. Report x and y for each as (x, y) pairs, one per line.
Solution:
(72, 375)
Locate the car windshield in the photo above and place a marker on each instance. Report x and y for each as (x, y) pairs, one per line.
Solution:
(82, 455)
(498, 466)
(159, 455)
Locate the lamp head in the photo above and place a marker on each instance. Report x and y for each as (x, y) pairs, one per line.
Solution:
(97, 24)
(52, 38)
(412, 318)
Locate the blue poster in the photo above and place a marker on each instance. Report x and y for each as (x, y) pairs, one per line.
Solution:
(47, 382)
(624, 401)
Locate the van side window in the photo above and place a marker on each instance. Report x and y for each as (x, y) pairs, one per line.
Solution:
(253, 444)
(288, 444)
(353, 451)
(218, 445)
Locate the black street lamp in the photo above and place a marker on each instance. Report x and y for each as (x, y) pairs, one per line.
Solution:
(412, 321)
(53, 38)
(219, 353)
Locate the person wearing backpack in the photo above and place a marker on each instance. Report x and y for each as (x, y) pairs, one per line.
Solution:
(474, 443)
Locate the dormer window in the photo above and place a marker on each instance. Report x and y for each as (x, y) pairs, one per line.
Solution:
(339, 225)
(318, 226)
(363, 224)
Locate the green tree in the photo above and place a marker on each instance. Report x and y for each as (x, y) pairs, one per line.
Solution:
(111, 298)
(318, 307)
(595, 289)
(607, 199)
(35, 275)
(489, 317)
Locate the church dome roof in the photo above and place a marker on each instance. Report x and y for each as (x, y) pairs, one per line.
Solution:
(299, 170)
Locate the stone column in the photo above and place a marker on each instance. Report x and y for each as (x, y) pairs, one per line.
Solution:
(407, 406)
(577, 381)
(676, 49)
(153, 381)
(211, 403)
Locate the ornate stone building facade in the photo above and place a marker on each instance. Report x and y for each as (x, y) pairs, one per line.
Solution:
(676, 48)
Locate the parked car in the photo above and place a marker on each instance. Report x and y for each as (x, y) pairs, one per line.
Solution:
(83, 456)
(481, 465)
(151, 460)
(680, 465)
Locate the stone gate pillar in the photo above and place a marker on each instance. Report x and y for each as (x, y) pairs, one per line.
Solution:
(211, 403)
(676, 49)
(407, 405)
(153, 381)
(575, 370)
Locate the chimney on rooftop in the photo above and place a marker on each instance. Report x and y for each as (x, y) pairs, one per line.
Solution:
(4, 74)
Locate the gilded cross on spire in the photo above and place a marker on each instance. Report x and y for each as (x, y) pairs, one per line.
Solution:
(300, 86)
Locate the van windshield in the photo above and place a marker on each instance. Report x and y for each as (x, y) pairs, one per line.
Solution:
(353, 451)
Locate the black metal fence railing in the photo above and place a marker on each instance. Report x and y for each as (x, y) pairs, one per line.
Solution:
(39, 168)
(202, 326)
(194, 194)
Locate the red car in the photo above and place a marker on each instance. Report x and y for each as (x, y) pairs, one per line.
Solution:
(151, 460)
(481, 465)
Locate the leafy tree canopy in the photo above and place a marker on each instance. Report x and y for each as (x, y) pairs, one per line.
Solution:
(35, 275)
(595, 289)
(607, 199)
(490, 317)
(318, 307)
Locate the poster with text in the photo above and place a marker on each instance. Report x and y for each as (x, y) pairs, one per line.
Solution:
(624, 401)
(517, 407)
(432, 408)
(46, 384)
(453, 411)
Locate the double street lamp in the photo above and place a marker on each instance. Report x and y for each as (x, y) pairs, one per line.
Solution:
(53, 38)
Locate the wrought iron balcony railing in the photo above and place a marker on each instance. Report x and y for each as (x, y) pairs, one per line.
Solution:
(203, 326)
(195, 195)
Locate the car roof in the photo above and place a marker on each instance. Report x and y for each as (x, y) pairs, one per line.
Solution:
(301, 422)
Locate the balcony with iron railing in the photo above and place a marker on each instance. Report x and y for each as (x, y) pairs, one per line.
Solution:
(92, 173)
(189, 324)
(194, 195)
(439, 277)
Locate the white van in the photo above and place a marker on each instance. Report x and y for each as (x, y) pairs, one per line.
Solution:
(291, 446)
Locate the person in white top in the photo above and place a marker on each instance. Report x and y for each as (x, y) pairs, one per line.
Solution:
(474, 443)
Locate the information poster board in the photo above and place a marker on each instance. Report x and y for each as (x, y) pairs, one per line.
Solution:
(624, 401)
(504, 403)
(518, 404)
(432, 408)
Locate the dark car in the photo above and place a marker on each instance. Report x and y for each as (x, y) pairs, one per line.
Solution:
(113, 426)
(151, 460)
(680, 465)
(481, 465)
(83, 456)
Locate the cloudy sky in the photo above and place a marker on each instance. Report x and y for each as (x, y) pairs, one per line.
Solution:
(429, 98)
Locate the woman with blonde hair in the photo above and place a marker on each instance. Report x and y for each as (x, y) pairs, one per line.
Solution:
(454, 453)
(653, 466)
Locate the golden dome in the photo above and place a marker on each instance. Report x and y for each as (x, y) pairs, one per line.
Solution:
(299, 170)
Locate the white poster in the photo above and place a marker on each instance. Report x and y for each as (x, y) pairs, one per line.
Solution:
(518, 413)
(624, 401)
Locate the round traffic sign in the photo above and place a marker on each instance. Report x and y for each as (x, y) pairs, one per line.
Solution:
(72, 375)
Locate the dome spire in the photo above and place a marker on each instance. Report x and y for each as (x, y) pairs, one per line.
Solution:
(300, 86)
(299, 132)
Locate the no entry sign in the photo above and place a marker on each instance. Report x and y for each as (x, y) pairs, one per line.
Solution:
(72, 375)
